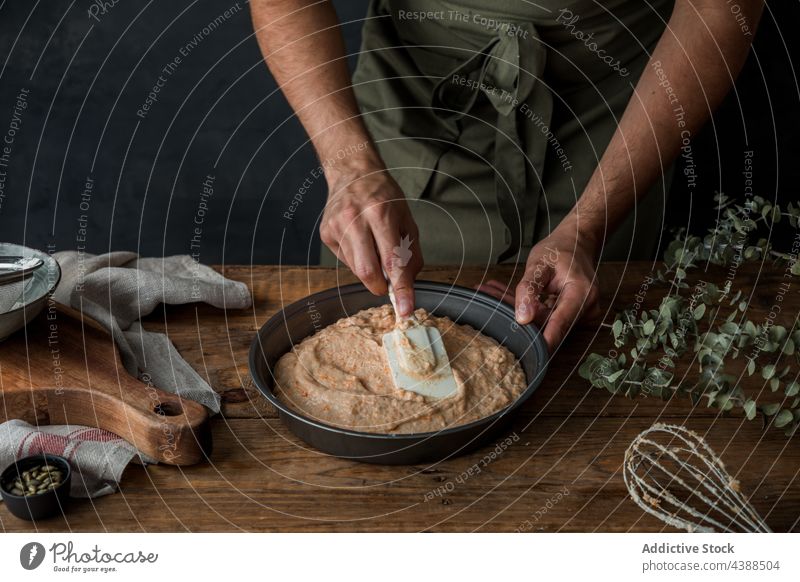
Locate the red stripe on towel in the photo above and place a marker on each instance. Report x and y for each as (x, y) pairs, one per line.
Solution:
(43, 442)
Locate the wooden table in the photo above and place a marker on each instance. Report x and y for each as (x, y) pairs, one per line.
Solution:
(562, 474)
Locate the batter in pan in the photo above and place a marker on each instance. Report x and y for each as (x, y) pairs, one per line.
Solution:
(340, 376)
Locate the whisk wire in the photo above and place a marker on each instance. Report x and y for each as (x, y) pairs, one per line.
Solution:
(724, 494)
(710, 497)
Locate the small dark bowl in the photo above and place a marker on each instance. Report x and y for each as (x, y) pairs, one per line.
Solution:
(465, 306)
(36, 507)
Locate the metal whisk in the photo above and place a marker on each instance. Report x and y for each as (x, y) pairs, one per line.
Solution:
(673, 474)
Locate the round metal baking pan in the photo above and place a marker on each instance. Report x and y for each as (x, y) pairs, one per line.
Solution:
(483, 312)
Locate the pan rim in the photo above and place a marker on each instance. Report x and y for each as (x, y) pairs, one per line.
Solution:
(531, 330)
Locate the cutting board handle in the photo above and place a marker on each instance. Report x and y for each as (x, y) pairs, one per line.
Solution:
(164, 426)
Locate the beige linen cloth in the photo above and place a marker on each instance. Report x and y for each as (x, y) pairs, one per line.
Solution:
(117, 289)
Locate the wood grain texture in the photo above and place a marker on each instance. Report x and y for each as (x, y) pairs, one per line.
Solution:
(63, 370)
(562, 472)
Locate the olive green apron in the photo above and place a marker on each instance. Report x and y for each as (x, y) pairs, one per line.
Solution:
(493, 116)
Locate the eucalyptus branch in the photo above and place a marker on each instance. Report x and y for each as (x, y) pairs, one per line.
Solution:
(687, 325)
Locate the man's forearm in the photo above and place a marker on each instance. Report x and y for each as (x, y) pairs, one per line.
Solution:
(303, 46)
(692, 68)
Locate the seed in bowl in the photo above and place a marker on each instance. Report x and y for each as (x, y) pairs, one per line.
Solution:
(35, 481)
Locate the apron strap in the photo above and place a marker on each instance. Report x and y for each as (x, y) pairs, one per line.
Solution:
(508, 71)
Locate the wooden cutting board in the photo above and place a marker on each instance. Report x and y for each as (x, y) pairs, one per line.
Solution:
(64, 369)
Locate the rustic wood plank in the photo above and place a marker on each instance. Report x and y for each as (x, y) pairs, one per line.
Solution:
(570, 435)
(263, 479)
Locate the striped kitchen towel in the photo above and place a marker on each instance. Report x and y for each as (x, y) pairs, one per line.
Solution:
(97, 457)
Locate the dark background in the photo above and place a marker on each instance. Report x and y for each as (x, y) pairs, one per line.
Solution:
(219, 114)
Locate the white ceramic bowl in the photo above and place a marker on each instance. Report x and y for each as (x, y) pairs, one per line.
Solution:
(42, 282)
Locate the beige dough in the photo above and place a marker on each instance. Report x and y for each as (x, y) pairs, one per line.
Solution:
(340, 376)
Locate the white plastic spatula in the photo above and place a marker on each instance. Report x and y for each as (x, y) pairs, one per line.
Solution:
(417, 357)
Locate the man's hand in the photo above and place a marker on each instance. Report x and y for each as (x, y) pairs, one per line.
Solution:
(559, 285)
(368, 226)
(701, 51)
(366, 216)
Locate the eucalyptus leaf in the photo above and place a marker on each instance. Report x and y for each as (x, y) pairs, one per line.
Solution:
(768, 371)
(589, 366)
(783, 418)
(770, 408)
(612, 378)
(777, 333)
(792, 389)
(616, 328)
(636, 373)
(729, 328)
(724, 402)
(750, 409)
